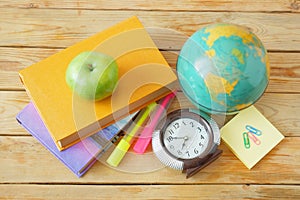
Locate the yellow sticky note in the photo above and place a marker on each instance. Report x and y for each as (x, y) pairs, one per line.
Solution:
(250, 136)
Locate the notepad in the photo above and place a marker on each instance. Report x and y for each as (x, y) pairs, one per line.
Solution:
(250, 136)
(144, 77)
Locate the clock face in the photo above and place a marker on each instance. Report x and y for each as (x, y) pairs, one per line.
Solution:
(185, 138)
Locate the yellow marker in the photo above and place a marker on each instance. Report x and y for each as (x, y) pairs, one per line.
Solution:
(119, 152)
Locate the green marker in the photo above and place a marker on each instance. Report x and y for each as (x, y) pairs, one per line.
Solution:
(119, 152)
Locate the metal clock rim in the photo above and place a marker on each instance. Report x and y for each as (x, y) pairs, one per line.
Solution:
(187, 114)
(165, 156)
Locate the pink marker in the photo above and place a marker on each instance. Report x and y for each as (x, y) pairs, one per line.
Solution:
(146, 135)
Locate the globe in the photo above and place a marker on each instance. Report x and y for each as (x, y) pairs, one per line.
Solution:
(223, 68)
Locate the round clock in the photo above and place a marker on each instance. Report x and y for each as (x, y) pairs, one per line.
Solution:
(186, 140)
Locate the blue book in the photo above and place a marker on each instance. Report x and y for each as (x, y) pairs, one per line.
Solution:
(79, 157)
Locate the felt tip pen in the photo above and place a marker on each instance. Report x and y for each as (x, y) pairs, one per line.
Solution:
(122, 147)
(146, 135)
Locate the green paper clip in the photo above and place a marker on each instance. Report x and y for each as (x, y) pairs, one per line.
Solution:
(246, 140)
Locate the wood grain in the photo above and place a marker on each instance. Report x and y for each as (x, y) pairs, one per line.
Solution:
(24, 160)
(62, 28)
(11, 103)
(285, 67)
(162, 192)
(179, 5)
(32, 30)
(281, 109)
(12, 60)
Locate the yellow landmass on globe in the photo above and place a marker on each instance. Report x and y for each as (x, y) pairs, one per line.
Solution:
(216, 32)
(219, 85)
(266, 60)
(211, 53)
(238, 54)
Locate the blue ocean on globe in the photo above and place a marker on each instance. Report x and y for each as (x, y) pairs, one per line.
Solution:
(223, 68)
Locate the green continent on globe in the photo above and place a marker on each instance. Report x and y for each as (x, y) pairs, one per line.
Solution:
(223, 68)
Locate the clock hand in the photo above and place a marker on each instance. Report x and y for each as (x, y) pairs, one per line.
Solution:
(183, 145)
(178, 137)
(185, 139)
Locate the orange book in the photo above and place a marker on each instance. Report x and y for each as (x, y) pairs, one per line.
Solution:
(144, 77)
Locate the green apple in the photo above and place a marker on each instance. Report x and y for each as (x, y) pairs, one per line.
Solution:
(92, 75)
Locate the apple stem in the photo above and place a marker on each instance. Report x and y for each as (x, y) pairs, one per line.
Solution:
(91, 67)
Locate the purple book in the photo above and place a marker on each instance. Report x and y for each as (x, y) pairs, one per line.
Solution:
(79, 157)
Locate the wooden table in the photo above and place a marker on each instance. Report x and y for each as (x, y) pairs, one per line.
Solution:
(33, 30)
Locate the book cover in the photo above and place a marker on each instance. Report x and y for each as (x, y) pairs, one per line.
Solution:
(81, 156)
(144, 77)
(250, 136)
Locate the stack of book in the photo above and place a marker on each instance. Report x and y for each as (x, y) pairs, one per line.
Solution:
(72, 127)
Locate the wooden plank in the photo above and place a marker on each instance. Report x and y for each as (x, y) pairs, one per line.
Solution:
(28, 171)
(281, 109)
(62, 28)
(11, 103)
(285, 71)
(162, 192)
(219, 5)
(24, 160)
(12, 60)
(285, 67)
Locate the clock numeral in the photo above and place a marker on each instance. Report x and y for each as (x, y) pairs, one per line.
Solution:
(171, 132)
(179, 152)
(192, 124)
(171, 147)
(170, 139)
(200, 144)
(196, 151)
(184, 123)
(188, 153)
(199, 129)
(202, 137)
(176, 125)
